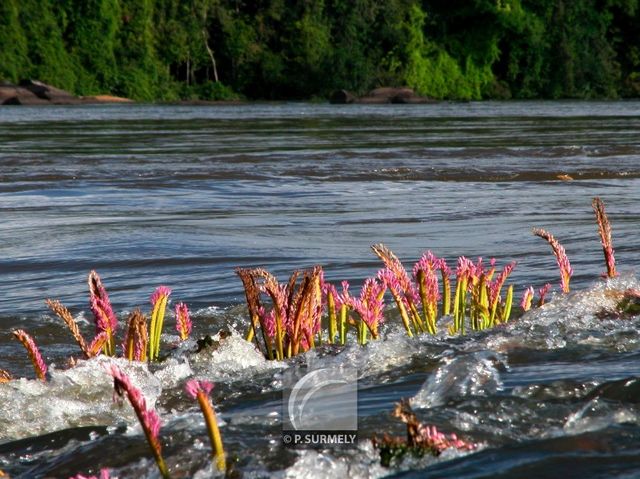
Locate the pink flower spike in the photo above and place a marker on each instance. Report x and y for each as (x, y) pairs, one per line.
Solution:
(604, 229)
(527, 298)
(34, 353)
(159, 293)
(148, 418)
(566, 271)
(193, 387)
(101, 305)
(104, 474)
(183, 321)
(542, 293)
(199, 390)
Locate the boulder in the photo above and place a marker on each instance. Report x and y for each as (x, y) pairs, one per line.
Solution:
(402, 95)
(342, 97)
(48, 92)
(14, 95)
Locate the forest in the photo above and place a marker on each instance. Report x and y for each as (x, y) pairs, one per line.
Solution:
(166, 50)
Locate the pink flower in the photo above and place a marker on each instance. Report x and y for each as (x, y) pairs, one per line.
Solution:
(430, 436)
(370, 305)
(344, 297)
(402, 283)
(183, 320)
(566, 271)
(34, 353)
(193, 387)
(104, 474)
(527, 298)
(149, 419)
(604, 229)
(465, 268)
(496, 285)
(161, 291)
(105, 318)
(542, 293)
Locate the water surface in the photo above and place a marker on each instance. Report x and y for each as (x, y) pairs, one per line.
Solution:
(174, 195)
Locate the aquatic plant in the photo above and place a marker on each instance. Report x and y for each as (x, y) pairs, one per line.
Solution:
(137, 337)
(5, 376)
(63, 313)
(104, 474)
(566, 271)
(421, 438)
(527, 299)
(477, 296)
(293, 322)
(98, 342)
(542, 294)
(404, 293)
(148, 418)
(200, 390)
(338, 306)
(105, 318)
(369, 307)
(34, 353)
(183, 321)
(604, 230)
(159, 305)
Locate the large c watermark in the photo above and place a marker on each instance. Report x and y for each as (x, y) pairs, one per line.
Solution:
(320, 407)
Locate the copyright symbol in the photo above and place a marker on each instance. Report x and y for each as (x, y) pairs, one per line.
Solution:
(287, 439)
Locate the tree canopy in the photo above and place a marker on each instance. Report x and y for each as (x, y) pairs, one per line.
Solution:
(300, 49)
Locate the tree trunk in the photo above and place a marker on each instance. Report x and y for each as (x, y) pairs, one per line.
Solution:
(210, 52)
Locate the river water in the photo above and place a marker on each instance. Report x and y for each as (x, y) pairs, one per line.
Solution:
(175, 195)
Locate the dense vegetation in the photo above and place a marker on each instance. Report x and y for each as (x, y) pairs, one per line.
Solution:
(462, 49)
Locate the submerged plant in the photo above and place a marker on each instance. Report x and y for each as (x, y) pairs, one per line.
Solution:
(158, 307)
(104, 474)
(477, 295)
(183, 321)
(34, 353)
(604, 229)
(421, 439)
(200, 390)
(105, 318)
(292, 325)
(137, 337)
(542, 294)
(566, 271)
(63, 313)
(404, 292)
(148, 418)
(527, 299)
(369, 307)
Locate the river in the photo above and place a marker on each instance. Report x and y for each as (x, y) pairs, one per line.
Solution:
(181, 195)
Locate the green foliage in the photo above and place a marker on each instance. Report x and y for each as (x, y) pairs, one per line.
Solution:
(13, 44)
(459, 49)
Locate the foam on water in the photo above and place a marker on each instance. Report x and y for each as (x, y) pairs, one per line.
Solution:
(79, 396)
(597, 414)
(473, 374)
(361, 463)
(234, 359)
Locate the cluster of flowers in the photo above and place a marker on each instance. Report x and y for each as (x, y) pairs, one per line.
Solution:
(295, 316)
(421, 438)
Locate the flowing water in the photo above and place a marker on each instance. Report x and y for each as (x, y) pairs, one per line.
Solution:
(149, 195)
